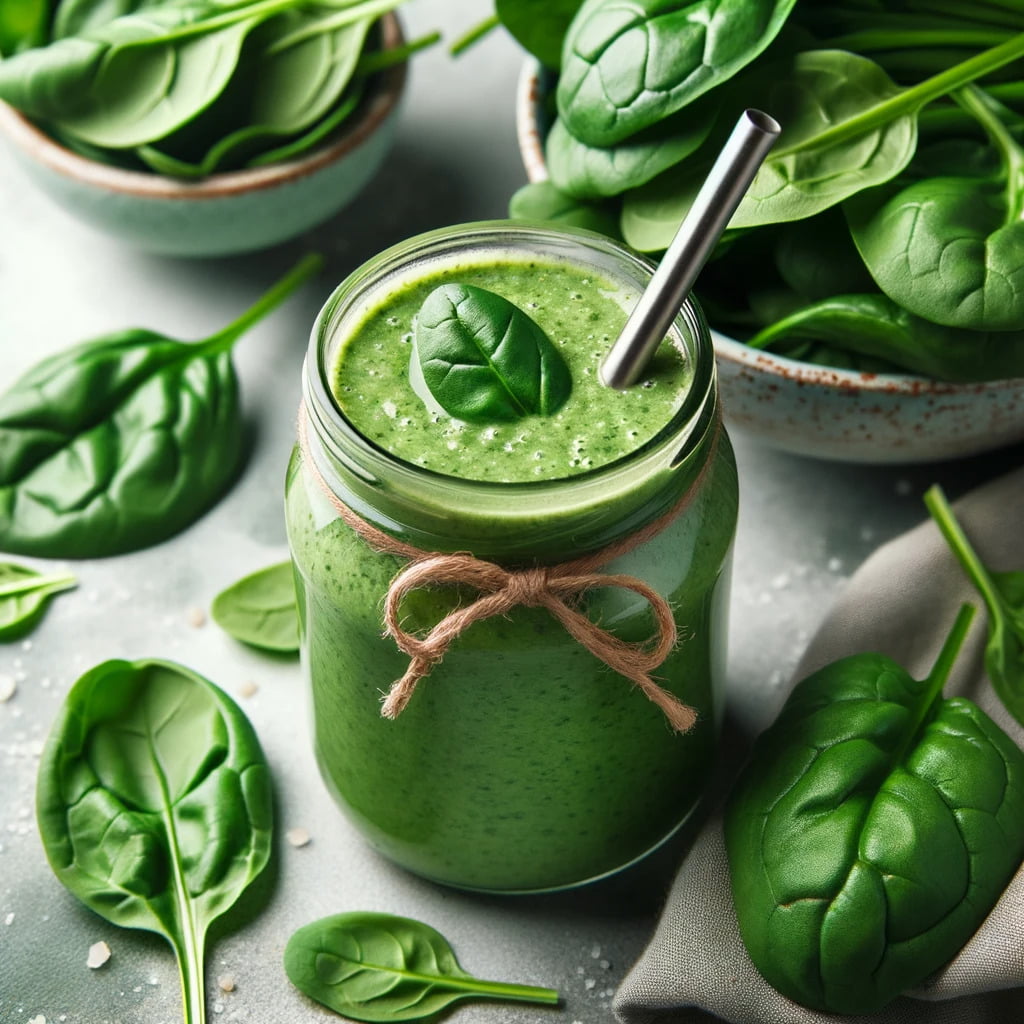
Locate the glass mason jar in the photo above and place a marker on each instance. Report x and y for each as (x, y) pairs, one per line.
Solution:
(522, 762)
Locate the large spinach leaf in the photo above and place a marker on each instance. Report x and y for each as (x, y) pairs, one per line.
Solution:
(154, 804)
(873, 325)
(629, 63)
(952, 248)
(543, 201)
(871, 832)
(24, 595)
(482, 357)
(378, 967)
(1003, 594)
(123, 441)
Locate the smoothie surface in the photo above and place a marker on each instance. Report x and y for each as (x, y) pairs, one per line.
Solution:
(377, 383)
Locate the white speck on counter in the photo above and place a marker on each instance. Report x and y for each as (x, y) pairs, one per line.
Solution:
(781, 581)
(99, 954)
(606, 964)
(9, 919)
(195, 617)
(247, 689)
(218, 1007)
(589, 983)
(226, 983)
(835, 565)
(8, 687)
(298, 837)
(26, 645)
(595, 952)
(40, 1019)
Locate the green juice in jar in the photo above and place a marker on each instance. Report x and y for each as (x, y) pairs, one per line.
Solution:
(522, 762)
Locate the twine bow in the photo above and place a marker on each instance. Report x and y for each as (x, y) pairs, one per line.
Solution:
(555, 588)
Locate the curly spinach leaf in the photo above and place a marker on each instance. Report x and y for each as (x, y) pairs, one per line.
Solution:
(261, 609)
(483, 358)
(542, 200)
(24, 595)
(594, 172)
(846, 127)
(873, 829)
(539, 26)
(952, 248)
(121, 442)
(629, 63)
(154, 805)
(1003, 594)
(873, 325)
(378, 967)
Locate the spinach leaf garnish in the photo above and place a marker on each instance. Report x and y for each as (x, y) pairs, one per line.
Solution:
(24, 594)
(123, 441)
(261, 609)
(873, 829)
(154, 805)
(1003, 594)
(378, 967)
(483, 358)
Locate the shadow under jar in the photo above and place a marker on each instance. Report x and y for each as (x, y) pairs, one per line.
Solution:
(522, 762)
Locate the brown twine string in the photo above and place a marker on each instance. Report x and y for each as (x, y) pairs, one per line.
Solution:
(556, 588)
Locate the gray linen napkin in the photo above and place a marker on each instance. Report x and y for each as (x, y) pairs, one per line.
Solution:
(901, 602)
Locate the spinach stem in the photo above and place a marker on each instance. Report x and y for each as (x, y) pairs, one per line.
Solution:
(879, 40)
(366, 10)
(940, 510)
(224, 339)
(909, 101)
(477, 32)
(30, 583)
(950, 650)
(380, 60)
(504, 990)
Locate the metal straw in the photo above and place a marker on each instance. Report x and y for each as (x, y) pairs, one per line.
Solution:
(730, 177)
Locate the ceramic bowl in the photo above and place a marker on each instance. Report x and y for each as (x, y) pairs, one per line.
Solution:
(236, 211)
(817, 411)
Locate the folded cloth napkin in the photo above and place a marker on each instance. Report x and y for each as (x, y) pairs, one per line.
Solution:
(901, 602)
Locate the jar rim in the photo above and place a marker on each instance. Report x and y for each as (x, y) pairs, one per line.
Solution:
(331, 424)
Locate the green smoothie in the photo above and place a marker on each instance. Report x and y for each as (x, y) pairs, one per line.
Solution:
(522, 762)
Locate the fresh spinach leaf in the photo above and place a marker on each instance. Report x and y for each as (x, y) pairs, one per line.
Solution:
(1003, 594)
(24, 595)
(23, 24)
(952, 248)
(261, 609)
(539, 26)
(629, 63)
(121, 442)
(593, 172)
(873, 325)
(154, 805)
(72, 17)
(846, 127)
(484, 358)
(542, 200)
(378, 967)
(873, 829)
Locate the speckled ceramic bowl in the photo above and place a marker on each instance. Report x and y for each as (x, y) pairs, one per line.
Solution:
(833, 414)
(236, 211)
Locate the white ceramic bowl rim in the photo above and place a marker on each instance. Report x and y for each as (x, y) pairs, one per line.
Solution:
(531, 147)
(376, 106)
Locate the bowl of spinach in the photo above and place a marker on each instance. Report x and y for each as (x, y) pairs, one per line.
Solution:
(867, 301)
(206, 127)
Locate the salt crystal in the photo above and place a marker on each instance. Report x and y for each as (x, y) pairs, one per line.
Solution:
(835, 564)
(196, 617)
(595, 952)
(589, 983)
(99, 954)
(247, 689)
(9, 919)
(40, 1019)
(297, 837)
(7, 687)
(226, 983)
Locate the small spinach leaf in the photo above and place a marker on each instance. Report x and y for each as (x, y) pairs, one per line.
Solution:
(483, 358)
(154, 804)
(629, 63)
(542, 200)
(1003, 594)
(873, 829)
(24, 594)
(261, 609)
(22, 24)
(378, 967)
(123, 441)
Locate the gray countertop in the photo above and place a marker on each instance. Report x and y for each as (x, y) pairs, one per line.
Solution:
(804, 528)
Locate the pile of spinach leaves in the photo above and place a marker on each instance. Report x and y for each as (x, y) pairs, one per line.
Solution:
(885, 231)
(190, 87)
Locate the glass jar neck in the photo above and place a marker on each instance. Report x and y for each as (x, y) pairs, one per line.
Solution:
(514, 523)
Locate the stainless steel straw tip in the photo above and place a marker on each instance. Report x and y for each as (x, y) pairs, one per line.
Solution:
(713, 206)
